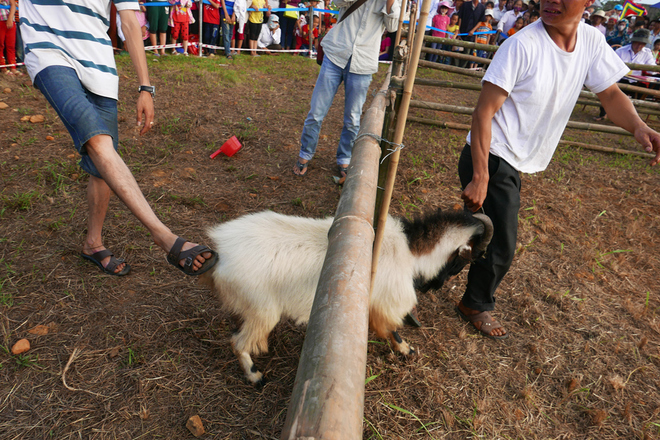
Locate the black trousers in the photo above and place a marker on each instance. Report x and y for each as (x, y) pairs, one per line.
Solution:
(501, 205)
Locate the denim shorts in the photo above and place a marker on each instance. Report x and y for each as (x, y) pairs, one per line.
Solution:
(83, 113)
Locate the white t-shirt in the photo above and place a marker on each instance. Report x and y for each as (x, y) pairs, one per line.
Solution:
(266, 37)
(544, 83)
(644, 56)
(73, 34)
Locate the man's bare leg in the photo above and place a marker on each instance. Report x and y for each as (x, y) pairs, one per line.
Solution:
(98, 197)
(120, 179)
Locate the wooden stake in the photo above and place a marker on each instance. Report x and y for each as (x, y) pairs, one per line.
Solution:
(398, 136)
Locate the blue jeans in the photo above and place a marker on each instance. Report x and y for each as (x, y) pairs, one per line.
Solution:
(355, 88)
(227, 33)
(83, 113)
(433, 57)
(210, 35)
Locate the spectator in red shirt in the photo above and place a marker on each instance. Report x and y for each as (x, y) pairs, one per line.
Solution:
(211, 25)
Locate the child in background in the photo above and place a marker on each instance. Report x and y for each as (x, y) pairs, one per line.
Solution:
(255, 20)
(656, 51)
(482, 38)
(142, 21)
(315, 33)
(180, 17)
(520, 22)
(454, 28)
(385, 43)
(440, 21)
(297, 32)
(8, 36)
(211, 25)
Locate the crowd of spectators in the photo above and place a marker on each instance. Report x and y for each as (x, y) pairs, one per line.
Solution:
(229, 24)
(488, 23)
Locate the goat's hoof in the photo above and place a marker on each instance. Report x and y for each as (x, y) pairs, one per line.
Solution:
(412, 352)
(255, 377)
(261, 383)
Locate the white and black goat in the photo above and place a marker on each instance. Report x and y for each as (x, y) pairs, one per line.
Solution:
(269, 266)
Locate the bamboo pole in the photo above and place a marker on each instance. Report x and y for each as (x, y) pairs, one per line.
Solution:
(452, 69)
(327, 400)
(398, 136)
(468, 111)
(640, 109)
(492, 48)
(638, 103)
(456, 126)
(457, 55)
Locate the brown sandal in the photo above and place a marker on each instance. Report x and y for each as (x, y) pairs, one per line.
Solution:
(483, 322)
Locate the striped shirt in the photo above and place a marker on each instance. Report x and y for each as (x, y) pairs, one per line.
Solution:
(73, 33)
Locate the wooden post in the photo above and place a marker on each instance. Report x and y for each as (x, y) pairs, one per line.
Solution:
(402, 114)
(456, 126)
(328, 393)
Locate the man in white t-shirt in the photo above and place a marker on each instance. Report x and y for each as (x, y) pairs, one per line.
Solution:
(69, 58)
(528, 94)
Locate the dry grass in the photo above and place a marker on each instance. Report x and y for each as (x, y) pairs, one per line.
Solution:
(135, 357)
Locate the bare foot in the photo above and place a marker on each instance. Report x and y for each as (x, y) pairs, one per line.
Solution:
(484, 323)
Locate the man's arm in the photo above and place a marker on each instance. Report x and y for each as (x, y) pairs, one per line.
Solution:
(133, 34)
(490, 100)
(622, 112)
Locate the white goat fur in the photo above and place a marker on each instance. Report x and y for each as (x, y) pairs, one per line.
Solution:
(269, 266)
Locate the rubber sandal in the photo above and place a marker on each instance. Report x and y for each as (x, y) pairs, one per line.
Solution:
(343, 173)
(302, 168)
(488, 323)
(109, 269)
(175, 255)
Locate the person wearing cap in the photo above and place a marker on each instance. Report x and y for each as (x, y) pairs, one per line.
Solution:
(619, 36)
(270, 36)
(440, 23)
(429, 22)
(636, 52)
(481, 29)
(351, 50)
(597, 20)
(528, 94)
(585, 17)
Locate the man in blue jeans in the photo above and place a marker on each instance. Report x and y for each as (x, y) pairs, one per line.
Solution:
(351, 56)
(69, 57)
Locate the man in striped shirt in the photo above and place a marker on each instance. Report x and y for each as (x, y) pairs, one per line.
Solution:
(70, 59)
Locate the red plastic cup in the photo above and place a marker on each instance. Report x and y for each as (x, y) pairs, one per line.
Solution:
(229, 148)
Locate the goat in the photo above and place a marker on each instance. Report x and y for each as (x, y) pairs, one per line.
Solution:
(269, 266)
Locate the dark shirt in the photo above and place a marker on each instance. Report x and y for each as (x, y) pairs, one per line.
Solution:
(470, 16)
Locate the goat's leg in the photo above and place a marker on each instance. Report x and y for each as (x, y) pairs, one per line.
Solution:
(253, 339)
(399, 344)
(251, 372)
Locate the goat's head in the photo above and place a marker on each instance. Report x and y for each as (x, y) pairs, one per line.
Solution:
(475, 248)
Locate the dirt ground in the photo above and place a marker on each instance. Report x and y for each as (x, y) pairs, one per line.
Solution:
(134, 357)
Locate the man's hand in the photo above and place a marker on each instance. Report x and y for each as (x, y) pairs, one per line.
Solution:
(649, 139)
(145, 107)
(474, 194)
(621, 111)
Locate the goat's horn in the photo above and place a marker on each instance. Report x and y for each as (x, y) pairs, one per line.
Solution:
(488, 232)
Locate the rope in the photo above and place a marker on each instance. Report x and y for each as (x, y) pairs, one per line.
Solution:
(380, 139)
